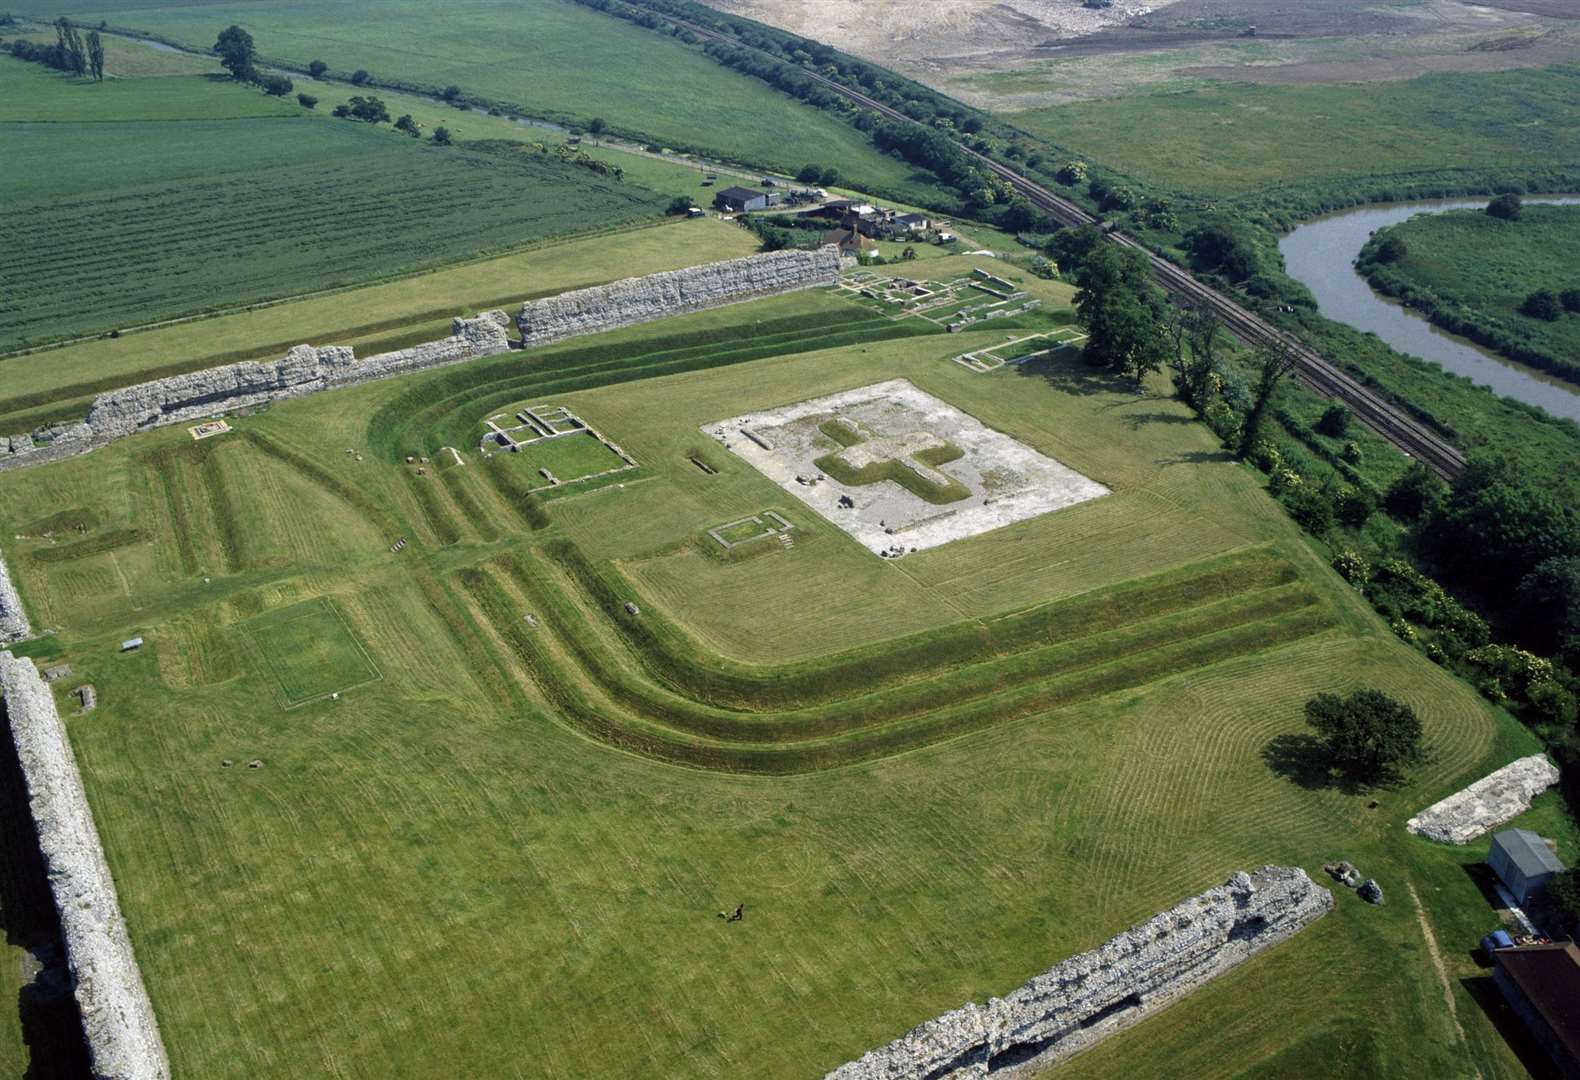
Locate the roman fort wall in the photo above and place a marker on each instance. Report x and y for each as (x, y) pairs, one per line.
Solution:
(1082, 1000)
(674, 292)
(117, 1017)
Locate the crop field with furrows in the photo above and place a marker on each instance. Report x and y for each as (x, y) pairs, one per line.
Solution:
(96, 261)
(991, 755)
(548, 58)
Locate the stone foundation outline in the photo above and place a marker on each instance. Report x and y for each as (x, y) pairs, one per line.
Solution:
(117, 1017)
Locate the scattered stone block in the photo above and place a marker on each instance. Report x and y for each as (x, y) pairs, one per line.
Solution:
(87, 697)
(632, 609)
(57, 673)
(1370, 891)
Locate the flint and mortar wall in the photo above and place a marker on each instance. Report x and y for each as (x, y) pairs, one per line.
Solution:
(1498, 797)
(13, 619)
(123, 1036)
(1080, 1001)
(202, 394)
(674, 292)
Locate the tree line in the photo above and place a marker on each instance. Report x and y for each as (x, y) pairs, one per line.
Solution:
(71, 52)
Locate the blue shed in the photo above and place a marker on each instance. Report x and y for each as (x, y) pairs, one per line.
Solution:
(1523, 862)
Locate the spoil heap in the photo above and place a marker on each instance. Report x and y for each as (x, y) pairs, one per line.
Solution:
(1084, 999)
(117, 1018)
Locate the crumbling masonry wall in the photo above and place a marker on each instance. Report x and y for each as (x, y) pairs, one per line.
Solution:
(202, 394)
(123, 1036)
(1081, 1001)
(13, 619)
(674, 292)
(1498, 797)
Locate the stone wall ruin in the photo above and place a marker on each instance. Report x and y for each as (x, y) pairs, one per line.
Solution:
(117, 1017)
(1084, 999)
(1498, 797)
(13, 619)
(674, 292)
(199, 395)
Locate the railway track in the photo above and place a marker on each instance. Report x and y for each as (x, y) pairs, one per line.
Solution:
(1388, 420)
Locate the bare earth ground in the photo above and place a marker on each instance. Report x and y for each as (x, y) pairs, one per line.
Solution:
(1036, 53)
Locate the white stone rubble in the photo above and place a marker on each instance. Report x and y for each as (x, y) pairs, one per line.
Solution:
(1489, 802)
(117, 1017)
(674, 292)
(1082, 1000)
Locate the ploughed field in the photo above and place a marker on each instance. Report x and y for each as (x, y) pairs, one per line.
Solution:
(220, 196)
(926, 779)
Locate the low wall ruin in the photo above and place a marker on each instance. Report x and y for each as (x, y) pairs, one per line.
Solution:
(674, 292)
(117, 1017)
(1498, 797)
(1081, 1001)
(202, 394)
(13, 619)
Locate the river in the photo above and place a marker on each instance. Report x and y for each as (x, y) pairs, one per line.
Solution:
(1321, 255)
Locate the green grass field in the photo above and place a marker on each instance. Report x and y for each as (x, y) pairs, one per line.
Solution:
(222, 196)
(548, 58)
(995, 753)
(1236, 139)
(309, 651)
(1479, 269)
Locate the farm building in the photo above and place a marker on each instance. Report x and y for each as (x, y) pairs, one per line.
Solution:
(1523, 862)
(913, 222)
(1542, 985)
(733, 200)
(849, 241)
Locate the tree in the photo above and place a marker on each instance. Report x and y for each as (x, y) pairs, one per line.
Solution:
(369, 109)
(1391, 250)
(1274, 361)
(277, 85)
(306, 101)
(69, 42)
(1570, 299)
(1543, 304)
(317, 68)
(360, 76)
(680, 204)
(95, 56)
(1122, 311)
(1218, 246)
(451, 93)
(1070, 248)
(1498, 526)
(908, 254)
(1368, 736)
(409, 126)
(441, 135)
(830, 177)
(1549, 605)
(1071, 173)
(236, 53)
(1335, 422)
(596, 126)
(810, 174)
(1416, 494)
(1563, 891)
(1508, 207)
(1019, 216)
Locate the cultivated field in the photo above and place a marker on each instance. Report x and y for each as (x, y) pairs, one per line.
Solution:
(548, 58)
(990, 755)
(217, 199)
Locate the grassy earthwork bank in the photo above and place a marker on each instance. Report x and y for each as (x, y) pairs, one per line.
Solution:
(997, 752)
(1472, 273)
